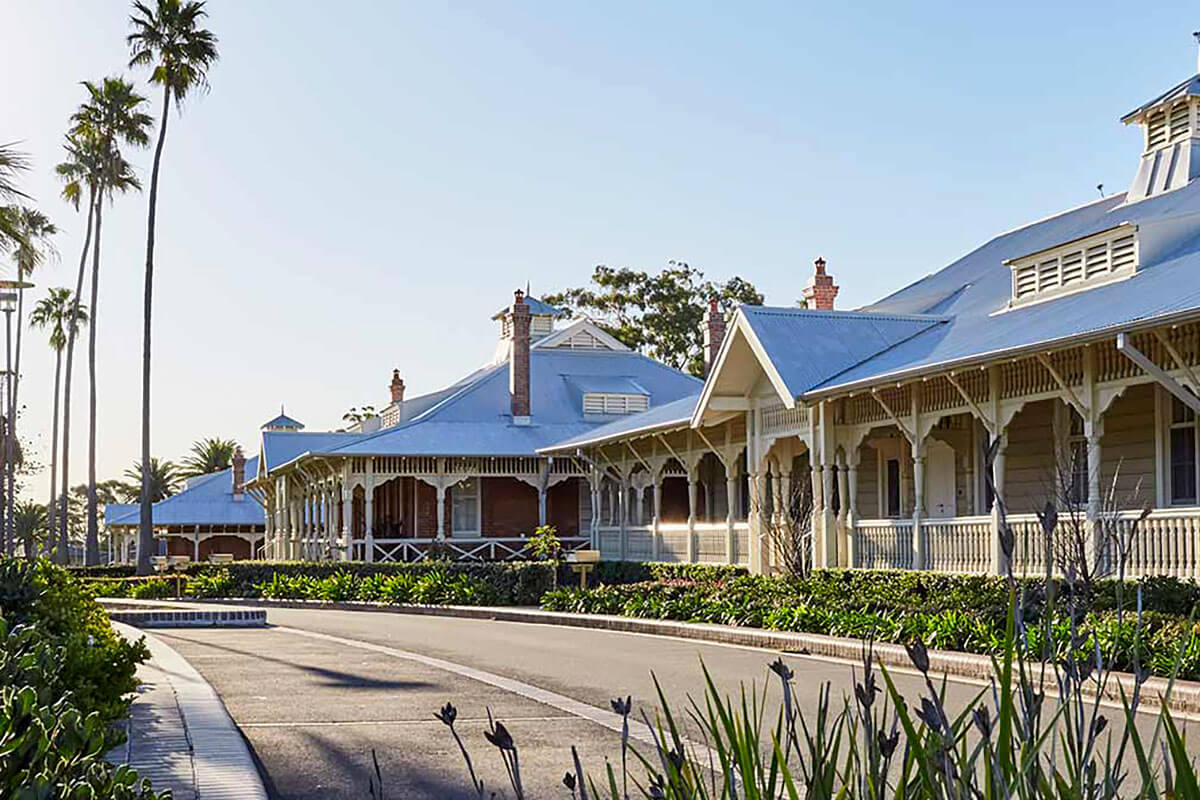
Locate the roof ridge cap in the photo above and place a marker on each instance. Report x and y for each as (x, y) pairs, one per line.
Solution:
(850, 314)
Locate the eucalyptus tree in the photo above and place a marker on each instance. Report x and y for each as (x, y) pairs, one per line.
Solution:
(207, 456)
(34, 233)
(112, 117)
(54, 313)
(169, 39)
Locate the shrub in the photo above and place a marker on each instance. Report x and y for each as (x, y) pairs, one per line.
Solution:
(217, 583)
(65, 678)
(154, 589)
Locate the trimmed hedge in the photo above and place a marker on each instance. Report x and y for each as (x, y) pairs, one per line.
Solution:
(953, 612)
(507, 583)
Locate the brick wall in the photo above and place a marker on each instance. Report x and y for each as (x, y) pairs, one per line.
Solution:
(562, 507)
(510, 507)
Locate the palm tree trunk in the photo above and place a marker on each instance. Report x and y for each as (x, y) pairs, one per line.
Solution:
(52, 506)
(63, 549)
(92, 549)
(146, 522)
(16, 384)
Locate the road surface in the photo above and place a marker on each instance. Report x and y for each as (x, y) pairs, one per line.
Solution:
(319, 691)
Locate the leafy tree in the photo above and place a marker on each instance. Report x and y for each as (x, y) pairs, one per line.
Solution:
(53, 313)
(168, 39)
(165, 480)
(660, 315)
(207, 456)
(356, 415)
(111, 117)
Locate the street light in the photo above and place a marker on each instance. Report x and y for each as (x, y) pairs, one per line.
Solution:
(9, 295)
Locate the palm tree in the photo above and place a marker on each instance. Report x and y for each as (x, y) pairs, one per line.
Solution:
(169, 40)
(12, 163)
(53, 313)
(80, 174)
(165, 479)
(111, 117)
(29, 523)
(34, 230)
(208, 456)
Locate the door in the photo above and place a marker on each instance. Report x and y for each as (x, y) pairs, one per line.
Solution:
(940, 494)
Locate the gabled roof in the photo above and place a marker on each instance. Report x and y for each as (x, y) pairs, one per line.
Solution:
(283, 447)
(809, 347)
(1185, 88)
(208, 500)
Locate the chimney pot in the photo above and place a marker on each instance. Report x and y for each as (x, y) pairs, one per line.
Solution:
(518, 363)
(821, 291)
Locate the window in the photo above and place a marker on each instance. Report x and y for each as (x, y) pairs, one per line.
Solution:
(464, 508)
(1077, 462)
(606, 403)
(1182, 438)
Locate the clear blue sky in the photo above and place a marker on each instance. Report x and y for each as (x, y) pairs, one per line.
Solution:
(367, 182)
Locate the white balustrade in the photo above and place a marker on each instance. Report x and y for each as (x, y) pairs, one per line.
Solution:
(883, 544)
(958, 544)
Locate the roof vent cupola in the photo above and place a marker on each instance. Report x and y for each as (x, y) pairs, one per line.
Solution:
(1171, 137)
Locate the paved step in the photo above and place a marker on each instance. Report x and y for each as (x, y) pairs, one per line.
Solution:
(171, 614)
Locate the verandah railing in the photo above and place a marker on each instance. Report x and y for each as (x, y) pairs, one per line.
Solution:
(1167, 542)
(668, 541)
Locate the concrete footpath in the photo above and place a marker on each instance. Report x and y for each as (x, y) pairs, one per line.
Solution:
(179, 734)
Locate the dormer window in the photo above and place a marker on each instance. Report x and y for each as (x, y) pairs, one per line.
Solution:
(613, 403)
(1082, 264)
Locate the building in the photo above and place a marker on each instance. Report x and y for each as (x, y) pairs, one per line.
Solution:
(213, 514)
(458, 471)
(1069, 347)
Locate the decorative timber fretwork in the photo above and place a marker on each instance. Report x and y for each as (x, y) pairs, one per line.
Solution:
(472, 465)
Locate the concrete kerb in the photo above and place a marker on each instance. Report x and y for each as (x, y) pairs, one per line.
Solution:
(1184, 695)
(221, 762)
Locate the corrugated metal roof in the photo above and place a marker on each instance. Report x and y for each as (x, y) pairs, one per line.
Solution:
(978, 286)
(475, 417)
(283, 421)
(280, 447)
(810, 346)
(675, 414)
(535, 307)
(1185, 88)
(207, 501)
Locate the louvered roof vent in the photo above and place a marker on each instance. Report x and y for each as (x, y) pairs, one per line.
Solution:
(1085, 263)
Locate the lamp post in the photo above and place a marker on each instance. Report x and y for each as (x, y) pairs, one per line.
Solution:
(9, 293)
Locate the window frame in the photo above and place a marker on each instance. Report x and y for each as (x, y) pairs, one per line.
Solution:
(455, 499)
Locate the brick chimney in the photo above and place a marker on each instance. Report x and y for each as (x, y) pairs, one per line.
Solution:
(820, 292)
(239, 473)
(518, 363)
(714, 334)
(397, 387)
